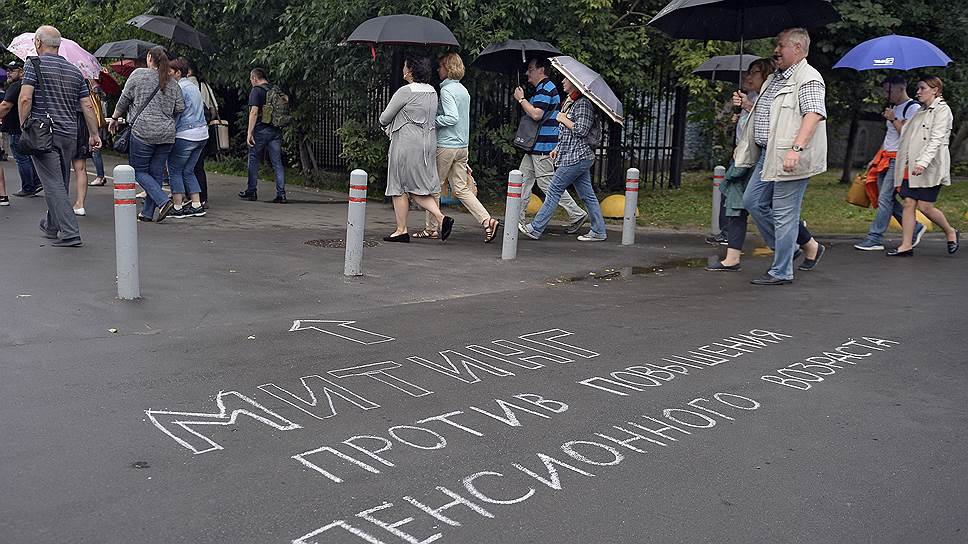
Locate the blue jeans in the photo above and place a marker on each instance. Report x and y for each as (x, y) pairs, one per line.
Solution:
(29, 181)
(267, 138)
(887, 205)
(148, 161)
(98, 163)
(181, 165)
(775, 209)
(580, 176)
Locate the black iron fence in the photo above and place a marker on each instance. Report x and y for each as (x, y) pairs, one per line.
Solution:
(651, 140)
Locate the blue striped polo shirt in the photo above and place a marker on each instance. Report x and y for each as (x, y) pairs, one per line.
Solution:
(546, 97)
(64, 87)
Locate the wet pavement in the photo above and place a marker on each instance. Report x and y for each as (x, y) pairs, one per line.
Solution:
(583, 393)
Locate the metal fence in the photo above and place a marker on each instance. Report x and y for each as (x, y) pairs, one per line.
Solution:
(651, 140)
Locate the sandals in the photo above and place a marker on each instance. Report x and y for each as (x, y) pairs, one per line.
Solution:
(426, 233)
(97, 182)
(490, 231)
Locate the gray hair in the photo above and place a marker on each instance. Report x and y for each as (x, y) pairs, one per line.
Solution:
(798, 35)
(48, 36)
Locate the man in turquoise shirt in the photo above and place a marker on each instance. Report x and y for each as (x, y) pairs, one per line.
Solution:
(453, 136)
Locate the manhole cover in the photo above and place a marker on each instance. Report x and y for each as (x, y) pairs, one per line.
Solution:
(339, 243)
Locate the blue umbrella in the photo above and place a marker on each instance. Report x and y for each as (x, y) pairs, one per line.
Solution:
(893, 52)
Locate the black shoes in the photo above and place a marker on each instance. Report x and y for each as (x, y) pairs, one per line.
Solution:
(4, 200)
(249, 195)
(69, 242)
(718, 240)
(953, 246)
(810, 264)
(768, 279)
(164, 210)
(446, 227)
(47, 233)
(576, 226)
(719, 266)
(402, 238)
(896, 253)
(143, 218)
(279, 200)
(33, 192)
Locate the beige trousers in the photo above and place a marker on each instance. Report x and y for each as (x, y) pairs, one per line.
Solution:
(452, 168)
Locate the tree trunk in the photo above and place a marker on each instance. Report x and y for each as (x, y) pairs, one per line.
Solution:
(846, 177)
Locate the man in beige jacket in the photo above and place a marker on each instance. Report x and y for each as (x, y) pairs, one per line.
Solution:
(785, 144)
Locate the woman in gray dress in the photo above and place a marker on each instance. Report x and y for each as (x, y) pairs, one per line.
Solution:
(412, 167)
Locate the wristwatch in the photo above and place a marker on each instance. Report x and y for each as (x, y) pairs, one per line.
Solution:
(797, 148)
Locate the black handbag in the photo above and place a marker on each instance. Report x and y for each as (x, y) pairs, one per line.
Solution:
(122, 140)
(527, 133)
(37, 134)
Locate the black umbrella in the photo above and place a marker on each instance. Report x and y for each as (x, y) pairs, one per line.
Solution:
(174, 30)
(124, 49)
(508, 56)
(739, 20)
(403, 30)
(725, 67)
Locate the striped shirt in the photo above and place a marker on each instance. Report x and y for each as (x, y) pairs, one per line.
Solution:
(811, 98)
(63, 88)
(546, 98)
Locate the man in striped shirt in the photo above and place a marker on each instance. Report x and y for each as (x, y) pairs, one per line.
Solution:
(536, 165)
(52, 90)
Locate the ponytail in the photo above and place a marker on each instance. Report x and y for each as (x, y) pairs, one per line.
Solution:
(160, 58)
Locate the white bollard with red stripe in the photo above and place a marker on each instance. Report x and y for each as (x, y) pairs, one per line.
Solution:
(355, 219)
(631, 205)
(719, 174)
(126, 232)
(512, 215)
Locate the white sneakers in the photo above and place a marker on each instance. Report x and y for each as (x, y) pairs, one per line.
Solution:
(80, 211)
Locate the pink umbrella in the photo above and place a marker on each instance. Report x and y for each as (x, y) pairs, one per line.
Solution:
(23, 47)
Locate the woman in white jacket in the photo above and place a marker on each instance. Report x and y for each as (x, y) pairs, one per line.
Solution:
(924, 165)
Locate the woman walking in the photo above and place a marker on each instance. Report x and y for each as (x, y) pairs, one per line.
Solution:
(412, 168)
(191, 135)
(153, 99)
(924, 164)
(573, 158)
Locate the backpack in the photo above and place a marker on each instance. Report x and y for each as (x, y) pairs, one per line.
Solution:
(594, 138)
(910, 103)
(276, 110)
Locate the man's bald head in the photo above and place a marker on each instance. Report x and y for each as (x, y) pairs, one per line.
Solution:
(48, 37)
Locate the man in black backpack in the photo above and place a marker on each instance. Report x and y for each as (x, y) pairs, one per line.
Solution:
(263, 135)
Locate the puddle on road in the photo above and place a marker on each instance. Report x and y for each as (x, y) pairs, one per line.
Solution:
(608, 274)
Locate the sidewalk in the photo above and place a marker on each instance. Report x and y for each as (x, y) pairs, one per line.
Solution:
(250, 261)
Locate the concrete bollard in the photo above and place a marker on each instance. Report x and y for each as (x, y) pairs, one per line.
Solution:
(719, 174)
(126, 232)
(512, 215)
(355, 220)
(631, 206)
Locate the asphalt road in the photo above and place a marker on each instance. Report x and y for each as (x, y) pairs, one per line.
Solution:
(467, 400)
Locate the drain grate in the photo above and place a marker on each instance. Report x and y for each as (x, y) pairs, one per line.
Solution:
(338, 243)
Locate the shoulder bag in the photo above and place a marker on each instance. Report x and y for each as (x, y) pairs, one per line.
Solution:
(122, 140)
(37, 135)
(527, 133)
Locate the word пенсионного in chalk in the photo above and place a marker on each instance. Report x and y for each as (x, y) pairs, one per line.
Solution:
(514, 483)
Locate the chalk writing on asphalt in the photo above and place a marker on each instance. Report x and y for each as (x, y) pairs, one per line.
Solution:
(341, 329)
(326, 395)
(498, 490)
(801, 375)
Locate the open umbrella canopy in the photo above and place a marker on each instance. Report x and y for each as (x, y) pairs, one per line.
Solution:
(23, 47)
(508, 56)
(124, 49)
(124, 67)
(403, 30)
(592, 85)
(734, 20)
(893, 52)
(175, 30)
(727, 68)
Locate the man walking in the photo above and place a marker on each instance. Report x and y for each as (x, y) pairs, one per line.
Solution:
(536, 165)
(263, 135)
(882, 165)
(787, 146)
(62, 89)
(10, 114)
